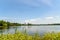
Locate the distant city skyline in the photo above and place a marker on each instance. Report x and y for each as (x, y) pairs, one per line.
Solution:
(30, 11)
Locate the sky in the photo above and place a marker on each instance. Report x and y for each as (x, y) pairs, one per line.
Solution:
(30, 11)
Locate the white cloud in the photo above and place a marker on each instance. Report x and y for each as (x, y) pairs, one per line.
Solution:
(49, 18)
(33, 20)
(44, 20)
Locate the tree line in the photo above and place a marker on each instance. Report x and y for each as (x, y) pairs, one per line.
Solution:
(6, 24)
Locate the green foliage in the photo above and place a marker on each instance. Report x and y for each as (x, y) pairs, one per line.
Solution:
(22, 36)
(6, 24)
(2, 23)
(17, 36)
(51, 36)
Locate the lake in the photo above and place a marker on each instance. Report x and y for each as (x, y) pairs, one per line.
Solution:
(32, 29)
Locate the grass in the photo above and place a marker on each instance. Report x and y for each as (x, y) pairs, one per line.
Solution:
(25, 36)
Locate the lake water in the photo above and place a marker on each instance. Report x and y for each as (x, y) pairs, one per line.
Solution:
(32, 29)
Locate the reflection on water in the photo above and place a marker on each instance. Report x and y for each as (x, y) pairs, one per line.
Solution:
(32, 29)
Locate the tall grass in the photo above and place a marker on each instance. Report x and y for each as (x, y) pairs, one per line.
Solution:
(24, 36)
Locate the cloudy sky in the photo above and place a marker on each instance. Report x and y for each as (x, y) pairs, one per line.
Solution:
(32, 11)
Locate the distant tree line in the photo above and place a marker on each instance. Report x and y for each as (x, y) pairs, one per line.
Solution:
(6, 24)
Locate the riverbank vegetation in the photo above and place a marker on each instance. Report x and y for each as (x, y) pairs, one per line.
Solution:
(6, 24)
(25, 36)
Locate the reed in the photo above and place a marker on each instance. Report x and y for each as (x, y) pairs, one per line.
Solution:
(24, 36)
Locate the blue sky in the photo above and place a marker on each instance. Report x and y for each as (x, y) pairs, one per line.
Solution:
(29, 10)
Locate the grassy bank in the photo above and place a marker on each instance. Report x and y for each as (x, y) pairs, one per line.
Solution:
(25, 36)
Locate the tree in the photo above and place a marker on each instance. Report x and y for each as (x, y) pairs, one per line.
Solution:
(4, 25)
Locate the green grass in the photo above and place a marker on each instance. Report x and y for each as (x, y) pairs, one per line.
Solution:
(25, 36)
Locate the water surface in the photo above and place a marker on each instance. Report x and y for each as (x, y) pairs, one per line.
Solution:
(32, 29)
